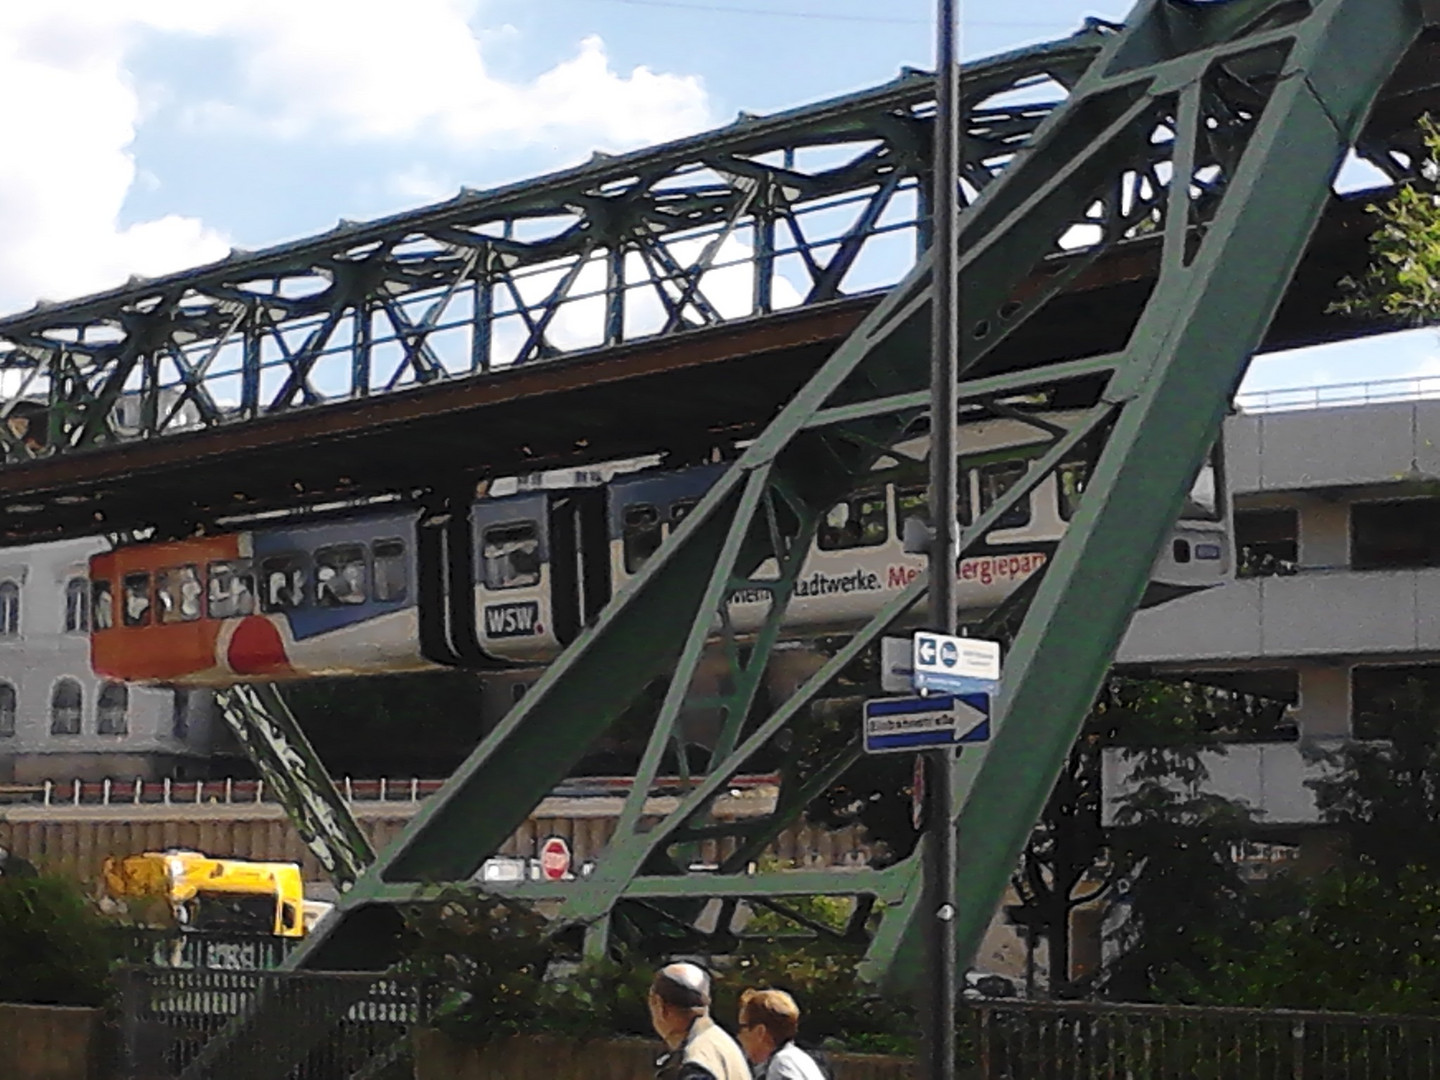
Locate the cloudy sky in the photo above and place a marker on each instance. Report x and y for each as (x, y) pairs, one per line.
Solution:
(146, 135)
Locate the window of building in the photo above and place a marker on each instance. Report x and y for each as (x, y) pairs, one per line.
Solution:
(510, 555)
(67, 704)
(641, 535)
(135, 590)
(230, 589)
(342, 576)
(178, 591)
(102, 605)
(112, 709)
(392, 572)
(995, 480)
(9, 609)
(282, 583)
(859, 521)
(77, 606)
(1395, 535)
(1267, 542)
(1381, 698)
(1070, 480)
(7, 710)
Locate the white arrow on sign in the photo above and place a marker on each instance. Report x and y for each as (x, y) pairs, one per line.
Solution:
(897, 724)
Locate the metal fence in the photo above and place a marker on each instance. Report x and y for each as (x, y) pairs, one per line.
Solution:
(192, 949)
(168, 1017)
(1085, 1041)
(1339, 395)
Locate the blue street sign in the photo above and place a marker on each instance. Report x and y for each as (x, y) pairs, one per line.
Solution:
(897, 724)
(944, 664)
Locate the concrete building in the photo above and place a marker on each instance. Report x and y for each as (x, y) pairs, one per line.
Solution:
(1336, 603)
(58, 721)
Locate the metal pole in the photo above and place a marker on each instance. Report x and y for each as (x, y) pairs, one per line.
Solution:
(938, 1011)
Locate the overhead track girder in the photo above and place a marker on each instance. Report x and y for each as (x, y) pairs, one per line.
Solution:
(1217, 127)
(767, 214)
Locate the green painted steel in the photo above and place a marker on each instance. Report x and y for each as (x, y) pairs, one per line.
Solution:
(264, 725)
(1252, 104)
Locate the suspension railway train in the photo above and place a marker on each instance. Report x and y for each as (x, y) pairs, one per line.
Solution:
(514, 580)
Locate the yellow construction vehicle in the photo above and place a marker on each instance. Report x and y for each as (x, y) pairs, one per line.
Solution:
(230, 896)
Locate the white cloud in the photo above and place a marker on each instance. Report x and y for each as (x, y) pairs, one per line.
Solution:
(358, 70)
(67, 125)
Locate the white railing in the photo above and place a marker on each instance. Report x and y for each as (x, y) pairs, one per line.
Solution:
(1339, 395)
(231, 792)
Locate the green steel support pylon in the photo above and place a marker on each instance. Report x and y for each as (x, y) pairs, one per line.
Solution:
(264, 725)
(1204, 137)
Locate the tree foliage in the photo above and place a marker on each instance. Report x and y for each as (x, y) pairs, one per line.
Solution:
(54, 949)
(1364, 934)
(1402, 282)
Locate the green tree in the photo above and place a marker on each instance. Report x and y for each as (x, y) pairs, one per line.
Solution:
(1402, 282)
(54, 949)
(1171, 852)
(1365, 933)
(1347, 940)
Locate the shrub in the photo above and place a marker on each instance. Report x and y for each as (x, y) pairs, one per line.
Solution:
(54, 949)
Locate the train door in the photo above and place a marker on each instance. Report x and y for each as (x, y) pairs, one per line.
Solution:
(579, 559)
(514, 611)
(445, 589)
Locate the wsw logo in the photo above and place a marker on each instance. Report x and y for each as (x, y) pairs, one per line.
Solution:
(512, 620)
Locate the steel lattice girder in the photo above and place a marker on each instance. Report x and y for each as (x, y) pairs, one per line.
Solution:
(811, 202)
(264, 725)
(1255, 103)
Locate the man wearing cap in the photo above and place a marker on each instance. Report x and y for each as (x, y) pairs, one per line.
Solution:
(700, 1049)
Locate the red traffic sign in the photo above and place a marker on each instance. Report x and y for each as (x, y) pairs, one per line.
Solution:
(554, 859)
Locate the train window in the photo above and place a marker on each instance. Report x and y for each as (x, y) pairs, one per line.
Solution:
(282, 583)
(231, 590)
(135, 598)
(1203, 501)
(995, 480)
(680, 511)
(642, 535)
(391, 571)
(178, 590)
(913, 502)
(1071, 479)
(102, 605)
(510, 555)
(341, 575)
(856, 522)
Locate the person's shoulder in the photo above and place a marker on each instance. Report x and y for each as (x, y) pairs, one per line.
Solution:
(792, 1063)
(693, 1070)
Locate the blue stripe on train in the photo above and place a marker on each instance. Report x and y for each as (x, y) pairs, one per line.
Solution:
(311, 621)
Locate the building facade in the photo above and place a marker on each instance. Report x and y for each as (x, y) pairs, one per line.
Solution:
(1335, 607)
(58, 721)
